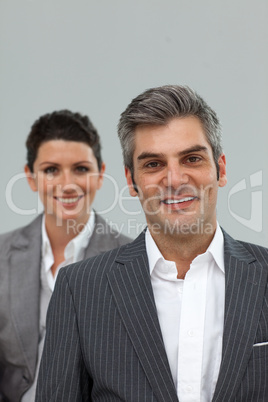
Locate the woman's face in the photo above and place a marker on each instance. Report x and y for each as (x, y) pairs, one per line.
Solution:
(66, 176)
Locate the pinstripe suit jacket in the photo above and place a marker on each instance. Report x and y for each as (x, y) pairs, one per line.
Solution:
(104, 341)
(20, 261)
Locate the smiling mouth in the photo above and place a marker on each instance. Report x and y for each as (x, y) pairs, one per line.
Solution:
(180, 201)
(69, 200)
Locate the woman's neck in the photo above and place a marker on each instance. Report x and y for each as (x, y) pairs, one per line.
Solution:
(60, 235)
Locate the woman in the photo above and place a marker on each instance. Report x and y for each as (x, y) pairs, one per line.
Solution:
(65, 167)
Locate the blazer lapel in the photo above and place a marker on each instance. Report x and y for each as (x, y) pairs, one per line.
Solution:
(24, 290)
(245, 287)
(131, 287)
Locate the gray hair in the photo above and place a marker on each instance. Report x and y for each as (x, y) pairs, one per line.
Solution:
(157, 106)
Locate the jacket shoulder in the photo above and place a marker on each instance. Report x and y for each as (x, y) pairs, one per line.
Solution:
(108, 234)
(6, 239)
(244, 250)
(19, 236)
(259, 252)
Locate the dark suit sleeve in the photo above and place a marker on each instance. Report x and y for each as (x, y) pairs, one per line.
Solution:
(63, 375)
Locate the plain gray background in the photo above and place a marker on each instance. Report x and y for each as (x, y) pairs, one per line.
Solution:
(94, 56)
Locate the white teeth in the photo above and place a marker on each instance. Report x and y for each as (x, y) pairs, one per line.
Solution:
(68, 200)
(169, 202)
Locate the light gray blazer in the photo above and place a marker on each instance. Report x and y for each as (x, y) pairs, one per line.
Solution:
(104, 342)
(20, 261)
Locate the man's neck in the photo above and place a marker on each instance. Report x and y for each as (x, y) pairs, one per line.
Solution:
(182, 249)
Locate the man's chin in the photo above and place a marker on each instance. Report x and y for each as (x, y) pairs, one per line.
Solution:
(180, 227)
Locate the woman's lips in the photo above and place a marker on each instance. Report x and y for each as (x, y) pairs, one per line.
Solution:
(69, 201)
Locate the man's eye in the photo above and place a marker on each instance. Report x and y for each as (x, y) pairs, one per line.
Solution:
(193, 159)
(152, 164)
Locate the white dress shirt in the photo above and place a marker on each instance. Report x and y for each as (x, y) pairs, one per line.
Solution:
(74, 251)
(191, 315)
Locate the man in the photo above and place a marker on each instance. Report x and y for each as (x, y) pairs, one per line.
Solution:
(181, 313)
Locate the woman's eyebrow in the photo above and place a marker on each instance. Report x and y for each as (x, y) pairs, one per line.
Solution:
(48, 163)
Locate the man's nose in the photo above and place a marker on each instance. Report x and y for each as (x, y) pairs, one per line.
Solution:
(175, 176)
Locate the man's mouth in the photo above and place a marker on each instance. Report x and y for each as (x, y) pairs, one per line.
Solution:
(171, 201)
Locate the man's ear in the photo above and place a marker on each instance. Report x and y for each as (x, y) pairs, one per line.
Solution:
(222, 171)
(131, 186)
(31, 178)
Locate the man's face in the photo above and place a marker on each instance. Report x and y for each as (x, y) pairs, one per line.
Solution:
(176, 176)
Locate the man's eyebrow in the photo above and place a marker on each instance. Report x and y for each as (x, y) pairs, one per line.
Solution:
(146, 155)
(195, 148)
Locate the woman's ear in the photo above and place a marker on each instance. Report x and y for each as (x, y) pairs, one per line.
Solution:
(31, 178)
(101, 173)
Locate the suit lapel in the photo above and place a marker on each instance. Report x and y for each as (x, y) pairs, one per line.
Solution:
(131, 287)
(25, 289)
(245, 286)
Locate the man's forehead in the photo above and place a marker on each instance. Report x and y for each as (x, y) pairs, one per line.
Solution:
(181, 133)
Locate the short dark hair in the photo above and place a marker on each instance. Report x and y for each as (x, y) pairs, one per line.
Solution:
(62, 125)
(157, 106)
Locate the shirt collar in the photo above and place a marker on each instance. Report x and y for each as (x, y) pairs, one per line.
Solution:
(153, 251)
(215, 249)
(46, 247)
(74, 249)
